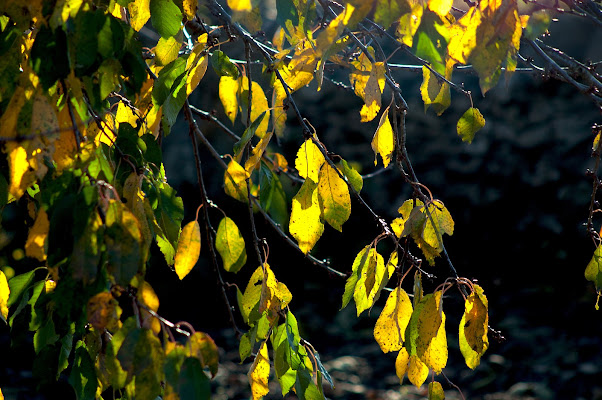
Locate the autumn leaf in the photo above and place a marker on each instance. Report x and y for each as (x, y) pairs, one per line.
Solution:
(368, 81)
(235, 184)
(259, 373)
(228, 90)
(409, 23)
(389, 330)
(309, 160)
(20, 176)
(474, 327)
(103, 312)
(306, 217)
(334, 197)
(383, 142)
(593, 272)
(37, 241)
(230, 245)
(426, 332)
(436, 391)
(440, 7)
(189, 248)
(435, 92)
(439, 222)
(4, 294)
(167, 49)
(139, 13)
(470, 123)
(255, 157)
(259, 105)
(196, 66)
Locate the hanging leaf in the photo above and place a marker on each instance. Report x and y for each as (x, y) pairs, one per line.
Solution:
(259, 373)
(222, 65)
(368, 82)
(235, 184)
(196, 66)
(240, 5)
(192, 382)
(435, 93)
(440, 222)
(259, 105)
(470, 123)
(309, 160)
(356, 271)
(228, 89)
(354, 177)
(373, 271)
(139, 13)
(230, 245)
(436, 391)
(389, 330)
(257, 153)
(334, 198)
(306, 217)
(167, 49)
(593, 272)
(165, 16)
(428, 332)
(37, 241)
(247, 136)
(440, 7)
(474, 327)
(189, 248)
(4, 295)
(383, 142)
(201, 346)
(103, 312)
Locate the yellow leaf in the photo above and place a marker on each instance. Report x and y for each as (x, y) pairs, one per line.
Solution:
(189, 248)
(240, 5)
(373, 276)
(389, 330)
(434, 93)
(137, 203)
(4, 293)
(263, 293)
(20, 176)
(228, 89)
(368, 82)
(196, 66)
(470, 123)
(259, 105)
(117, 11)
(440, 222)
(440, 7)
(401, 363)
(259, 373)
(474, 327)
(125, 114)
(37, 241)
(235, 184)
(334, 197)
(147, 296)
(329, 35)
(139, 13)
(280, 162)
(431, 343)
(65, 150)
(306, 223)
(43, 118)
(417, 371)
(230, 245)
(103, 312)
(167, 49)
(190, 7)
(309, 160)
(408, 25)
(257, 152)
(383, 142)
(436, 391)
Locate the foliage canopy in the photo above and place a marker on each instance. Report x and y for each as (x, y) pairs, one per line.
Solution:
(85, 107)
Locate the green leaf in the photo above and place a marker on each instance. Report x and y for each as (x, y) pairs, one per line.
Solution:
(17, 285)
(49, 57)
(193, 383)
(123, 240)
(287, 16)
(45, 336)
(593, 272)
(323, 370)
(222, 65)
(230, 245)
(305, 387)
(272, 197)
(108, 75)
(168, 48)
(169, 213)
(354, 177)
(247, 135)
(202, 346)
(166, 79)
(83, 375)
(356, 271)
(166, 17)
(470, 123)
(141, 356)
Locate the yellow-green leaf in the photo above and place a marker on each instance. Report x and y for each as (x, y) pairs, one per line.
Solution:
(258, 107)
(334, 197)
(474, 327)
(439, 223)
(435, 93)
(431, 343)
(593, 272)
(4, 294)
(228, 89)
(235, 184)
(230, 245)
(373, 272)
(440, 7)
(470, 123)
(383, 142)
(257, 152)
(389, 330)
(436, 391)
(198, 67)
(306, 221)
(139, 13)
(408, 24)
(309, 160)
(189, 248)
(37, 241)
(167, 49)
(259, 373)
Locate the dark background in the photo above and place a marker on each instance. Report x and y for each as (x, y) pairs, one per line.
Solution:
(519, 197)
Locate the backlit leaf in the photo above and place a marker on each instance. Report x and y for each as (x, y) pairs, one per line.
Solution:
(474, 327)
(222, 65)
(167, 49)
(435, 93)
(259, 105)
(165, 16)
(230, 245)
(368, 82)
(228, 89)
(383, 142)
(246, 137)
(593, 272)
(189, 248)
(354, 177)
(417, 371)
(436, 391)
(431, 340)
(202, 346)
(440, 222)
(37, 241)
(190, 7)
(235, 184)
(538, 24)
(409, 23)
(440, 7)
(259, 373)
(257, 152)
(389, 330)
(4, 294)
(373, 273)
(139, 13)
(309, 160)
(306, 217)
(123, 240)
(103, 312)
(334, 197)
(20, 176)
(356, 271)
(196, 65)
(470, 123)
